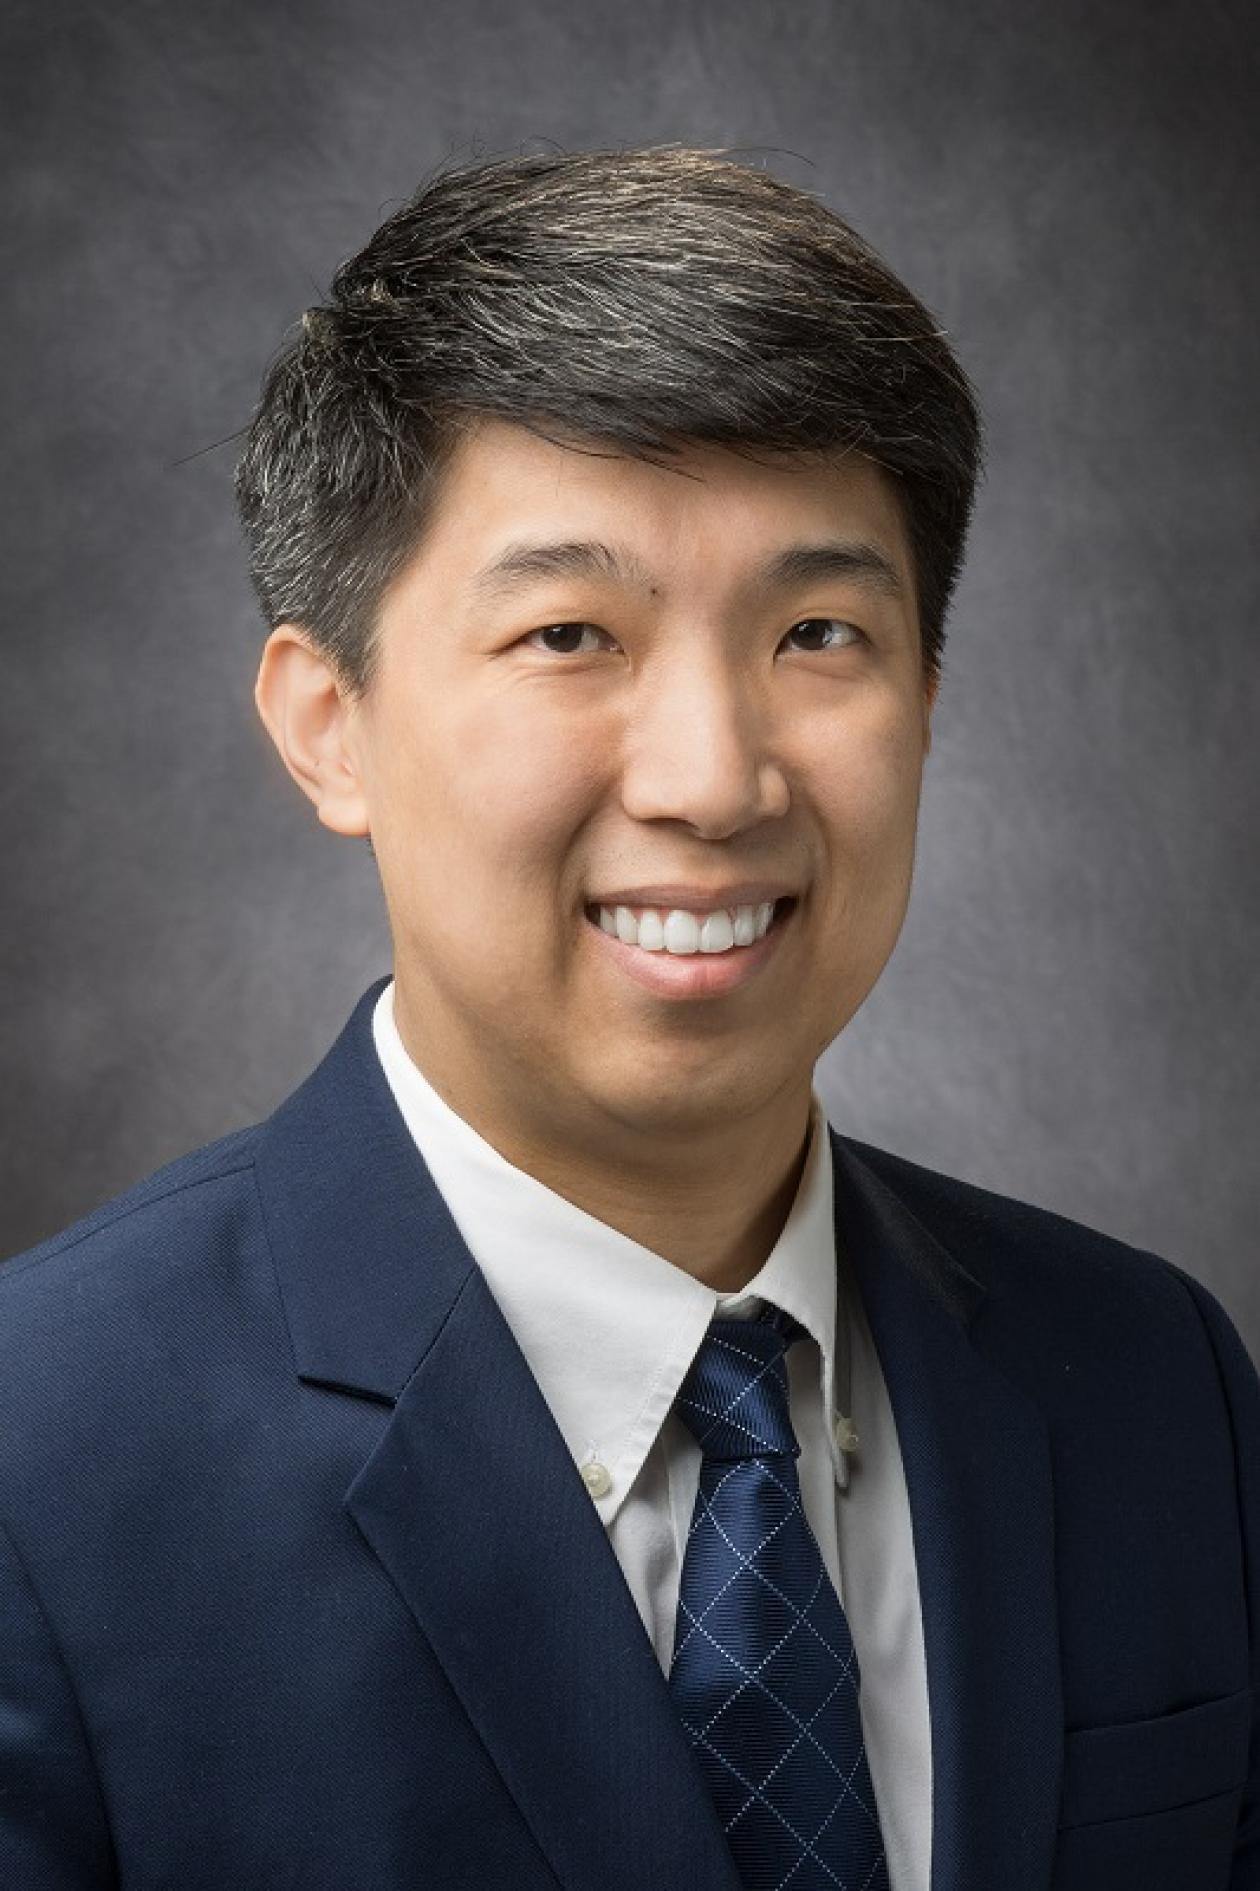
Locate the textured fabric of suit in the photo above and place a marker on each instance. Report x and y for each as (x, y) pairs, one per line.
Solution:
(298, 1587)
(609, 1328)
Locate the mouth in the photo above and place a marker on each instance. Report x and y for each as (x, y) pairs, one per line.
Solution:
(691, 975)
(782, 910)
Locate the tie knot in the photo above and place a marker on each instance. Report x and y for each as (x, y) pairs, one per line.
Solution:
(734, 1399)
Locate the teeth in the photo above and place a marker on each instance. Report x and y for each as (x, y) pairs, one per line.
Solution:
(681, 933)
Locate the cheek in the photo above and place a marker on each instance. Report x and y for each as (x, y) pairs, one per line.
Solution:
(496, 796)
(513, 739)
(525, 798)
(872, 783)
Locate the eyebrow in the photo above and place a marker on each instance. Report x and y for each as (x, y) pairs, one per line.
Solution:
(855, 561)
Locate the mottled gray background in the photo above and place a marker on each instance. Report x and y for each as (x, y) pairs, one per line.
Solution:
(1071, 1015)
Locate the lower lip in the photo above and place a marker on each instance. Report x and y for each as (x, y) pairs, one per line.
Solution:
(694, 974)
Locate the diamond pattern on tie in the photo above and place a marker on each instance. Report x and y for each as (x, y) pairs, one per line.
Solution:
(764, 1673)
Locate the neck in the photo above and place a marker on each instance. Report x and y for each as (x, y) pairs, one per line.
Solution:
(712, 1203)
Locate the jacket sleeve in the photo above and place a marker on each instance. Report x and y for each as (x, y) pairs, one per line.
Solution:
(53, 1831)
(1242, 1393)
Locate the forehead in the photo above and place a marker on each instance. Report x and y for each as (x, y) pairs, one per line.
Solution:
(504, 484)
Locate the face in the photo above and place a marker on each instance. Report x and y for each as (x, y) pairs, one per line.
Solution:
(699, 706)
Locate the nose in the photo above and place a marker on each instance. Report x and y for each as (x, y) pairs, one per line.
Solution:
(699, 748)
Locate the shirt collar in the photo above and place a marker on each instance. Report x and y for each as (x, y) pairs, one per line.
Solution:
(572, 1289)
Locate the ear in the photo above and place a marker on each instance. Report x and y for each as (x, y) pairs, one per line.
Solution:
(309, 715)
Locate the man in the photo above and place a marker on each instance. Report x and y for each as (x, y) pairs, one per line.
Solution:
(545, 1451)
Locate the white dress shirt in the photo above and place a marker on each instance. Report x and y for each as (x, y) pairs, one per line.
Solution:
(609, 1329)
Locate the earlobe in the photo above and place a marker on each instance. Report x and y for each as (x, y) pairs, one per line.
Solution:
(306, 714)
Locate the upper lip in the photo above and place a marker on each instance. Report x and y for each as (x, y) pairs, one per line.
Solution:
(696, 899)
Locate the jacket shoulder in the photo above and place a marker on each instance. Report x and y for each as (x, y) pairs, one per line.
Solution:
(1006, 1241)
(1037, 1261)
(106, 1326)
(942, 1200)
(167, 1196)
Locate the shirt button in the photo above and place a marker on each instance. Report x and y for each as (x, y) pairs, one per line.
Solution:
(846, 1436)
(596, 1478)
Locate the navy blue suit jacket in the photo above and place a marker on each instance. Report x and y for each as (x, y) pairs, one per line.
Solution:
(299, 1587)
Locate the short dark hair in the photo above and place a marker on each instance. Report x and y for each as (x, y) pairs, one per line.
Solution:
(639, 300)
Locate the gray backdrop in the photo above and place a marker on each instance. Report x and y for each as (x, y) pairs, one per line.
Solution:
(1071, 1015)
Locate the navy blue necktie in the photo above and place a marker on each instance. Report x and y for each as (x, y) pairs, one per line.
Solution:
(764, 1673)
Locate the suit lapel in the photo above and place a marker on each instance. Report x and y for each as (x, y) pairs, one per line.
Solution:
(978, 1475)
(471, 1503)
(470, 1499)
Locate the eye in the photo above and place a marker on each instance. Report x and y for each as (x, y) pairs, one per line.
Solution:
(571, 635)
(827, 623)
(563, 631)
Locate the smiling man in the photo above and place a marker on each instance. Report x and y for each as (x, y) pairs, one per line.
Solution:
(546, 1451)
(640, 763)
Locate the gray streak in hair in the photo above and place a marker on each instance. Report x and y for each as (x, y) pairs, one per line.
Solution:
(630, 301)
